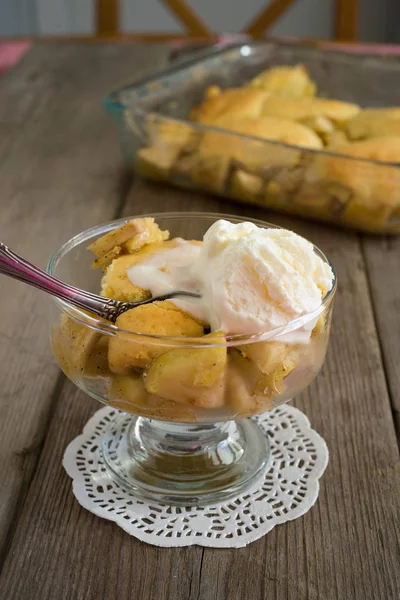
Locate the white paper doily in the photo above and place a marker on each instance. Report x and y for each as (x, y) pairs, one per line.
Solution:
(289, 489)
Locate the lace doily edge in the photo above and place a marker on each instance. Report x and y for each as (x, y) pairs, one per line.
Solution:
(81, 496)
(227, 543)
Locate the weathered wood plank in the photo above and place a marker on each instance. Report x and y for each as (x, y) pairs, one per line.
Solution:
(345, 547)
(72, 554)
(60, 172)
(382, 257)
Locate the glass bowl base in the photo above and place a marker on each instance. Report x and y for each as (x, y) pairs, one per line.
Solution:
(185, 464)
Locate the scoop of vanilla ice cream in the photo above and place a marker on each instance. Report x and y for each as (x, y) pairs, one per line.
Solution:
(254, 279)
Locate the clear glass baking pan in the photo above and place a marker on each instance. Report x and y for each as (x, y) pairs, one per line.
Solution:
(159, 141)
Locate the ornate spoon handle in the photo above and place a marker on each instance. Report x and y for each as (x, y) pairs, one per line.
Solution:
(15, 266)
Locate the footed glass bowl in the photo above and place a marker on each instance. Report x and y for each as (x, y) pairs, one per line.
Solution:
(183, 435)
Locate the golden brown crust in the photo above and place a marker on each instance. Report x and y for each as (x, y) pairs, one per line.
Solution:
(291, 82)
(383, 149)
(255, 102)
(116, 237)
(374, 122)
(218, 151)
(300, 109)
(335, 138)
(165, 131)
(242, 102)
(361, 193)
(277, 105)
(272, 128)
(133, 235)
(170, 143)
(158, 319)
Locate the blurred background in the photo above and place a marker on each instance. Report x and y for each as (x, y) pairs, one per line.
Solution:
(347, 20)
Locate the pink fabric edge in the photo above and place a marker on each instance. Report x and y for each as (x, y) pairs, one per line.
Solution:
(11, 53)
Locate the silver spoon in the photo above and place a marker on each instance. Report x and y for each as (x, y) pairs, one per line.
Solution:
(18, 268)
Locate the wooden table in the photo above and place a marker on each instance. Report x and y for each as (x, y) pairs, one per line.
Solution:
(61, 172)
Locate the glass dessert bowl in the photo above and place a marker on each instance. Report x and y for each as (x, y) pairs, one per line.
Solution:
(185, 392)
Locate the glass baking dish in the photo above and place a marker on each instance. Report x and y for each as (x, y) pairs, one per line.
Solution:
(159, 141)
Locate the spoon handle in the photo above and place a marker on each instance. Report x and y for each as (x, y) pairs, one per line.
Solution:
(15, 266)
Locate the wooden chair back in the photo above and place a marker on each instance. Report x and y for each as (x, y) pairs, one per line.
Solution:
(107, 18)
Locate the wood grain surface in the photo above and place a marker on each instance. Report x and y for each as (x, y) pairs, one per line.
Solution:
(60, 172)
(382, 257)
(64, 174)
